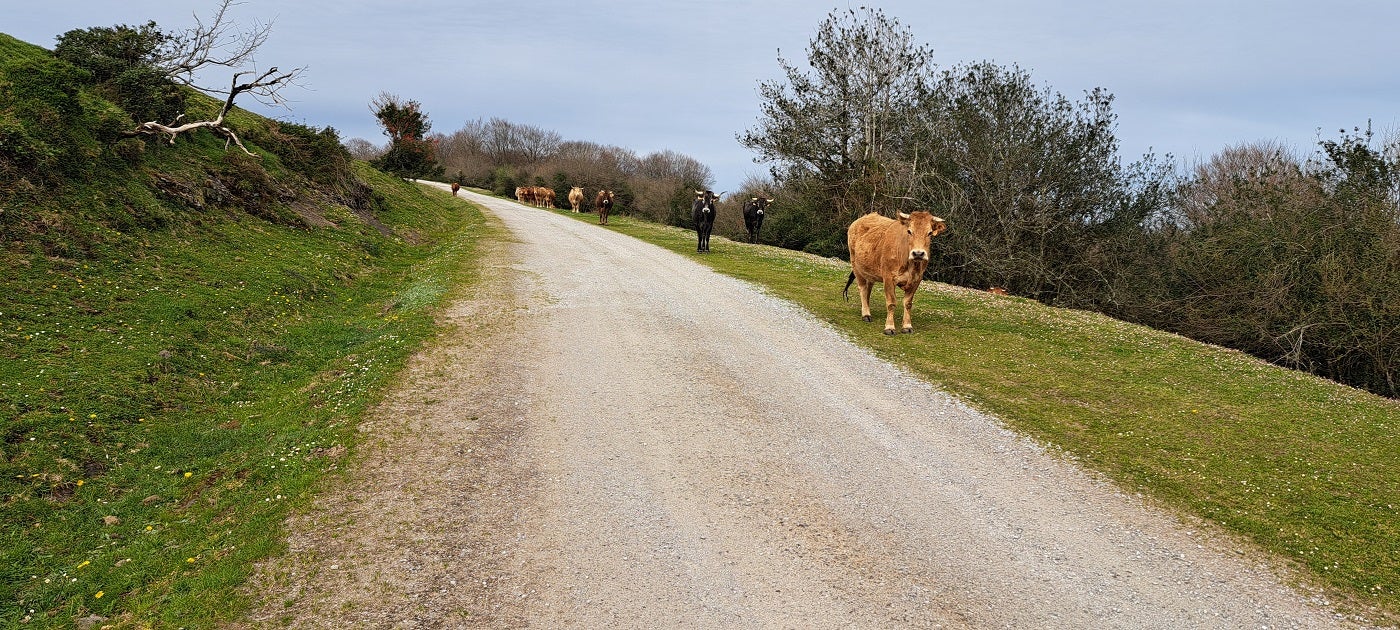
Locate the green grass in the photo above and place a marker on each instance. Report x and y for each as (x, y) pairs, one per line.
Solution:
(1307, 469)
(195, 384)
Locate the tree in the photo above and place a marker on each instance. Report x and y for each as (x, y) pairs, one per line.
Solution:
(1028, 175)
(362, 149)
(837, 137)
(411, 154)
(1297, 263)
(842, 126)
(181, 57)
(122, 62)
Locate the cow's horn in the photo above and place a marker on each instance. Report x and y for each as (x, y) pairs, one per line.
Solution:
(904, 215)
(939, 219)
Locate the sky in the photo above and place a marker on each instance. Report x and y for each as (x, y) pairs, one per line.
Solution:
(1189, 77)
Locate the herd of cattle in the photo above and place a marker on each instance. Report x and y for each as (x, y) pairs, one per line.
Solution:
(893, 252)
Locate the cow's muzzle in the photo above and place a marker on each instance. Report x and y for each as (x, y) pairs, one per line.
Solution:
(918, 254)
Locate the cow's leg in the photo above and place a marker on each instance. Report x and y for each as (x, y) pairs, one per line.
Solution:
(864, 286)
(889, 306)
(909, 308)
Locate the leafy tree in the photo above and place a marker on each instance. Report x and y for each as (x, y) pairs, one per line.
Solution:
(411, 154)
(1029, 177)
(840, 131)
(123, 62)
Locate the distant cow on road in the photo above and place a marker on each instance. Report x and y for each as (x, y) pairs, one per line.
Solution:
(894, 252)
(575, 198)
(703, 212)
(455, 187)
(604, 203)
(754, 210)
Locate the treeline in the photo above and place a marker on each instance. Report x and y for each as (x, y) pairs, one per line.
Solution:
(499, 155)
(1294, 260)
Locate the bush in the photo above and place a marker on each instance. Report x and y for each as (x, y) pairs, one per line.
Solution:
(107, 52)
(40, 119)
(121, 62)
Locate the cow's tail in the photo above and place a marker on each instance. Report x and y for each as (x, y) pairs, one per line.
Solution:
(846, 292)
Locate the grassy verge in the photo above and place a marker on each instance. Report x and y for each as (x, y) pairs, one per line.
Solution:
(1307, 469)
(169, 397)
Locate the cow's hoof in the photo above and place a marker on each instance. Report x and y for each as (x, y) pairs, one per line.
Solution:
(907, 330)
(866, 318)
(889, 331)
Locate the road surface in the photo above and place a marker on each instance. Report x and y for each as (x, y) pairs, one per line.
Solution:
(612, 436)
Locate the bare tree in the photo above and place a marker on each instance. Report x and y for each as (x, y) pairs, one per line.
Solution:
(362, 149)
(218, 44)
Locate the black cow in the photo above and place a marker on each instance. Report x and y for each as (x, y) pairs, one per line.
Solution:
(703, 212)
(753, 216)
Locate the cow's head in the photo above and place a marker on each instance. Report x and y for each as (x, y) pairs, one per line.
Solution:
(921, 227)
(707, 199)
(760, 204)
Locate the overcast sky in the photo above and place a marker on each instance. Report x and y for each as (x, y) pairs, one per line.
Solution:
(1190, 77)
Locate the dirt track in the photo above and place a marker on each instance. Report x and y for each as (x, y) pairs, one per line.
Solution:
(612, 436)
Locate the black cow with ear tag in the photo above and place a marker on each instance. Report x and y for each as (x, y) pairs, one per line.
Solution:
(703, 212)
(754, 210)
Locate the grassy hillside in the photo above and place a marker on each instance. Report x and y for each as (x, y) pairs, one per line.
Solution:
(1302, 467)
(188, 337)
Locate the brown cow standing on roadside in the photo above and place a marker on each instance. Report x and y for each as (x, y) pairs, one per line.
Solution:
(455, 187)
(575, 198)
(604, 203)
(893, 252)
(546, 197)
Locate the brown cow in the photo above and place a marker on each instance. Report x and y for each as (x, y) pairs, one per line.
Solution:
(455, 187)
(546, 196)
(575, 198)
(892, 252)
(604, 203)
(522, 194)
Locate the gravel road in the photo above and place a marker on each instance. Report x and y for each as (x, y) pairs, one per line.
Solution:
(612, 436)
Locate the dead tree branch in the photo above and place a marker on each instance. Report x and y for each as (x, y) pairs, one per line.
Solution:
(266, 84)
(218, 43)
